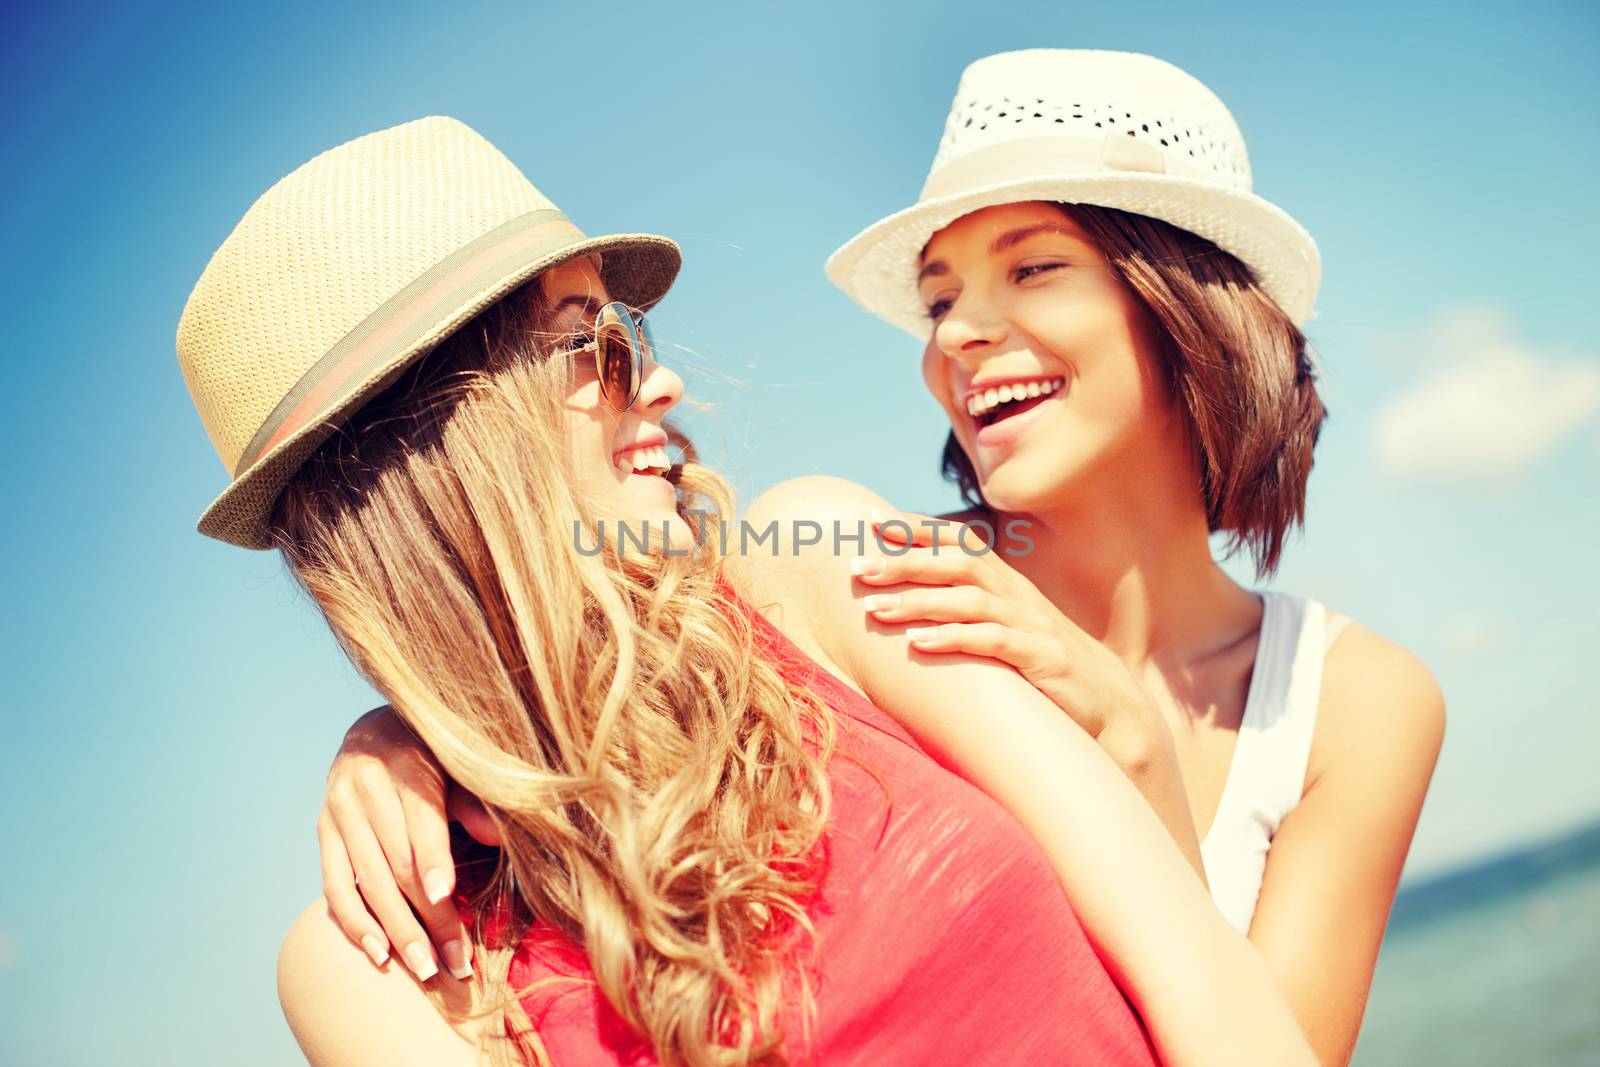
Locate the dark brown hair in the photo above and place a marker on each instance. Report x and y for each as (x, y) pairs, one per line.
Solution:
(1237, 366)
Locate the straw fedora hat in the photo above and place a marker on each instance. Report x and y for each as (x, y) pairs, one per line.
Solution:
(1113, 129)
(347, 271)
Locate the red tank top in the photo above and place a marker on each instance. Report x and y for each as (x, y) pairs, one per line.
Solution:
(944, 935)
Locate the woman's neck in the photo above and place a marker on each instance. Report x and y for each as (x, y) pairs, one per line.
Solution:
(1134, 571)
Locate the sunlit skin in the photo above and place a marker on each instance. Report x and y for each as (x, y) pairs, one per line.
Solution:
(1046, 305)
(598, 433)
(1104, 469)
(1106, 472)
(1121, 584)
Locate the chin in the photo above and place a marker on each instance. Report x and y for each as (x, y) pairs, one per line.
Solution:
(672, 526)
(1017, 487)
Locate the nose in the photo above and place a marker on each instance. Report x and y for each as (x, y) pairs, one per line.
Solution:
(969, 330)
(659, 392)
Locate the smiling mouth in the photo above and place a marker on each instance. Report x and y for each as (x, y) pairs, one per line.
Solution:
(996, 405)
(647, 461)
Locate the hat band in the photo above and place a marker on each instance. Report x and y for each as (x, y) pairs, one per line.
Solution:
(1048, 157)
(406, 317)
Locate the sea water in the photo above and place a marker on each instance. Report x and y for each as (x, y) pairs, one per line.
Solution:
(1499, 968)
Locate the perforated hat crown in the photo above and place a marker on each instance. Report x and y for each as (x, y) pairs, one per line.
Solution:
(1113, 129)
(348, 270)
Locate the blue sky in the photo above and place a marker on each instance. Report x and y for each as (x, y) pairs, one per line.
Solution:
(174, 702)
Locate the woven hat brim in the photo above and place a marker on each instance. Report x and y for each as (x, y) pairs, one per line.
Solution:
(877, 267)
(637, 269)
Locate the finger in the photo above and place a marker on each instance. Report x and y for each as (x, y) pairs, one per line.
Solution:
(406, 818)
(988, 639)
(923, 566)
(377, 885)
(344, 900)
(423, 839)
(942, 603)
(466, 809)
(429, 832)
(910, 527)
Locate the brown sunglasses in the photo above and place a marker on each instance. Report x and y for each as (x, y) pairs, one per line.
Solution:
(622, 345)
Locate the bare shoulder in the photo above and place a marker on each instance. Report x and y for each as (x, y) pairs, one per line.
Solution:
(791, 559)
(816, 497)
(343, 1010)
(805, 529)
(1377, 698)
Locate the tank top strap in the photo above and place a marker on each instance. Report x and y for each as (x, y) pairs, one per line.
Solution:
(1267, 775)
(1286, 716)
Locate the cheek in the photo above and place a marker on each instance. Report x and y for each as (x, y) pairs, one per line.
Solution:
(936, 374)
(589, 437)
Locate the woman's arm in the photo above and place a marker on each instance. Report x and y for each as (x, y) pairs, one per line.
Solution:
(1332, 871)
(1205, 994)
(347, 1013)
(1335, 861)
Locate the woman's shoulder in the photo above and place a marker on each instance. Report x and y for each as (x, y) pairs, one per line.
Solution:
(344, 1010)
(790, 557)
(814, 497)
(1377, 696)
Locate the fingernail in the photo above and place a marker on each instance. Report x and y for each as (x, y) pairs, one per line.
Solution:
(878, 517)
(866, 565)
(456, 961)
(882, 601)
(421, 962)
(375, 948)
(919, 633)
(436, 884)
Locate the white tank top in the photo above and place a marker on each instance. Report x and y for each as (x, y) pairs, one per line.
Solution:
(1268, 772)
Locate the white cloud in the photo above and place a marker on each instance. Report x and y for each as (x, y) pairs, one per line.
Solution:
(1489, 406)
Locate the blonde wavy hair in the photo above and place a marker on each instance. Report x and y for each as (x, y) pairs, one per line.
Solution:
(659, 785)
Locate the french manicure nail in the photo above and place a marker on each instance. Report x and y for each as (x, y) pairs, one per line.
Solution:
(436, 884)
(421, 962)
(918, 633)
(866, 565)
(375, 948)
(456, 961)
(882, 601)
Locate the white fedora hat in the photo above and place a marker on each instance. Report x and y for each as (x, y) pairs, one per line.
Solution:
(1112, 129)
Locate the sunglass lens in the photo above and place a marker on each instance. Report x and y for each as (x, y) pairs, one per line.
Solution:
(619, 344)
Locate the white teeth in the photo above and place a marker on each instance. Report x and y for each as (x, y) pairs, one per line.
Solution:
(644, 459)
(988, 399)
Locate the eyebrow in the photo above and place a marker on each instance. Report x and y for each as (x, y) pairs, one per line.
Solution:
(588, 304)
(1009, 239)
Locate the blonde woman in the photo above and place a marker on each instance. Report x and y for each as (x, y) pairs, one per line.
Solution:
(1111, 320)
(712, 849)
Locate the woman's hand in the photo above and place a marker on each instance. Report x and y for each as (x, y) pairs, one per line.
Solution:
(974, 602)
(971, 601)
(385, 840)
